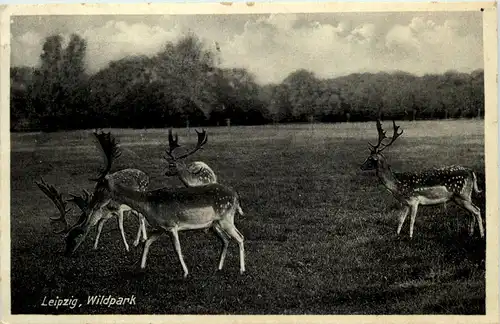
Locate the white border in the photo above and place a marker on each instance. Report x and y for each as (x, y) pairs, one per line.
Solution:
(491, 150)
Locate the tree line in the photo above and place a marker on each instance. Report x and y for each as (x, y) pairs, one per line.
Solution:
(183, 84)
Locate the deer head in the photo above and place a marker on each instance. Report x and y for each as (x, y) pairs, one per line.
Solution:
(174, 163)
(75, 234)
(373, 160)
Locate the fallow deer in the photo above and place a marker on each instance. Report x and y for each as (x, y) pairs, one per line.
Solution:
(128, 177)
(133, 178)
(174, 209)
(196, 173)
(430, 187)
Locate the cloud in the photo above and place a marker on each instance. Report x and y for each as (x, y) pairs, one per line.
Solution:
(113, 40)
(425, 46)
(117, 39)
(273, 46)
(402, 37)
(326, 49)
(26, 49)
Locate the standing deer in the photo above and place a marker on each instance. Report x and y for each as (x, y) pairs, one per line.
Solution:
(196, 173)
(174, 209)
(430, 187)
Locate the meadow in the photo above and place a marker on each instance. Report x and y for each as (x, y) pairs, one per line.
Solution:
(320, 234)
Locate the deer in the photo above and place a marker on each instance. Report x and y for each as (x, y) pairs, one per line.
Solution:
(79, 231)
(134, 178)
(74, 233)
(171, 210)
(435, 186)
(196, 173)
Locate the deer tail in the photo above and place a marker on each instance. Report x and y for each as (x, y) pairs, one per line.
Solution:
(237, 202)
(474, 183)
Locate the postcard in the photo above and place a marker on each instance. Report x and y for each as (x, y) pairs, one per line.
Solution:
(250, 163)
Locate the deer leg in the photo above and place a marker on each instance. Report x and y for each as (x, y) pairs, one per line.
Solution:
(472, 224)
(231, 230)
(122, 231)
(402, 217)
(413, 215)
(476, 212)
(225, 242)
(143, 227)
(139, 229)
(177, 245)
(100, 225)
(153, 237)
(138, 236)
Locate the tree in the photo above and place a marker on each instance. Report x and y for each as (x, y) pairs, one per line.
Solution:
(303, 86)
(477, 91)
(184, 83)
(187, 69)
(58, 91)
(47, 90)
(74, 83)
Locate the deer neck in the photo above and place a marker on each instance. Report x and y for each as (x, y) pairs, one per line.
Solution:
(384, 173)
(184, 175)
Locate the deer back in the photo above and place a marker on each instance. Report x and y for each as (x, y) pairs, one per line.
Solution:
(132, 178)
(453, 178)
(203, 196)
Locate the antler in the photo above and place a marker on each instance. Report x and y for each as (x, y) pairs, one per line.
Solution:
(382, 135)
(109, 149)
(173, 143)
(395, 135)
(56, 197)
(83, 203)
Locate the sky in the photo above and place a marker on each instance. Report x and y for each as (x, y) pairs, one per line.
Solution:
(274, 45)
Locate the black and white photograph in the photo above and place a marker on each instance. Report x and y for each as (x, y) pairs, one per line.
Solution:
(250, 162)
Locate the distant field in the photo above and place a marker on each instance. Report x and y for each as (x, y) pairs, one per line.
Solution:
(320, 234)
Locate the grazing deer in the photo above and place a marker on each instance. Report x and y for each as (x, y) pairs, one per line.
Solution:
(76, 234)
(174, 209)
(430, 187)
(133, 178)
(61, 205)
(196, 173)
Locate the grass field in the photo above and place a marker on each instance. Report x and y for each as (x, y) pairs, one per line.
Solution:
(320, 234)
